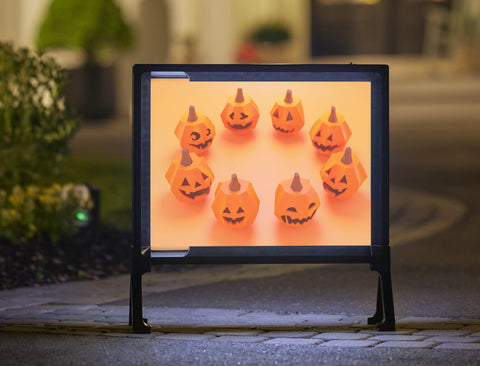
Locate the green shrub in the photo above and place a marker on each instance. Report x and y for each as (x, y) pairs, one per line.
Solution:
(43, 214)
(95, 26)
(35, 123)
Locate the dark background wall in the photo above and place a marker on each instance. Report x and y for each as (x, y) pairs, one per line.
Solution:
(389, 26)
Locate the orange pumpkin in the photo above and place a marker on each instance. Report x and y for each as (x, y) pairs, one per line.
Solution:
(236, 203)
(195, 131)
(190, 177)
(287, 114)
(330, 133)
(296, 201)
(342, 174)
(240, 115)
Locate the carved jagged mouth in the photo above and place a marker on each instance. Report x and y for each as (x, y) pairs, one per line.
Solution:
(333, 190)
(325, 148)
(239, 126)
(202, 145)
(279, 129)
(233, 221)
(288, 220)
(194, 194)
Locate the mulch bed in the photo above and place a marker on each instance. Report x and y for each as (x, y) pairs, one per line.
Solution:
(94, 253)
(91, 254)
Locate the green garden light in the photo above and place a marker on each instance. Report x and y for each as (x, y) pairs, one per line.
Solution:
(82, 216)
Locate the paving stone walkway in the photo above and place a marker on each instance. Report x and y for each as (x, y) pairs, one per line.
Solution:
(239, 326)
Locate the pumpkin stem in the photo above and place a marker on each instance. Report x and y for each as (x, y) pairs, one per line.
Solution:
(296, 185)
(186, 158)
(234, 185)
(347, 156)
(333, 115)
(288, 97)
(192, 114)
(239, 98)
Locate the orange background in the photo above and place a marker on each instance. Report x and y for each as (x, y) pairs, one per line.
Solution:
(262, 156)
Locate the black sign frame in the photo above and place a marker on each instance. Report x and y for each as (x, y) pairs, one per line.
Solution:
(377, 254)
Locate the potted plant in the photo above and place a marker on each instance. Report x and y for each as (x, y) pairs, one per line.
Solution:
(98, 28)
(272, 40)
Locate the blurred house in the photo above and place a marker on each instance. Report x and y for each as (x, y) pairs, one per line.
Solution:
(228, 31)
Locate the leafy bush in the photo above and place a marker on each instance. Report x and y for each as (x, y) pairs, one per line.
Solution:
(95, 26)
(43, 214)
(35, 123)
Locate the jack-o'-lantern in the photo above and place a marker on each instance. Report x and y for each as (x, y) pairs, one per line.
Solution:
(195, 131)
(287, 114)
(330, 133)
(296, 201)
(190, 177)
(240, 115)
(342, 174)
(236, 203)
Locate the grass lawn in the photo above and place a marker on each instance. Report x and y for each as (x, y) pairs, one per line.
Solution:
(113, 178)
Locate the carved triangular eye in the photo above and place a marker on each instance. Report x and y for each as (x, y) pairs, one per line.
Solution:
(293, 209)
(289, 116)
(318, 133)
(185, 182)
(226, 210)
(240, 210)
(343, 180)
(204, 176)
(197, 184)
(231, 115)
(243, 116)
(330, 138)
(276, 114)
(328, 171)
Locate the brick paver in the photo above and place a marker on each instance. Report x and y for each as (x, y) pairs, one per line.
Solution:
(349, 343)
(453, 339)
(235, 332)
(465, 346)
(187, 337)
(397, 332)
(343, 336)
(241, 339)
(428, 323)
(277, 334)
(294, 341)
(407, 344)
(443, 332)
(395, 337)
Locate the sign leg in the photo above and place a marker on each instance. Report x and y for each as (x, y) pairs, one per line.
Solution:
(136, 319)
(387, 299)
(378, 316)
(384, 315)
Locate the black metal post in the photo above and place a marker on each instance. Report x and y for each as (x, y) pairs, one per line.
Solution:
(136, 319)
(378, 316)
(384, 315)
